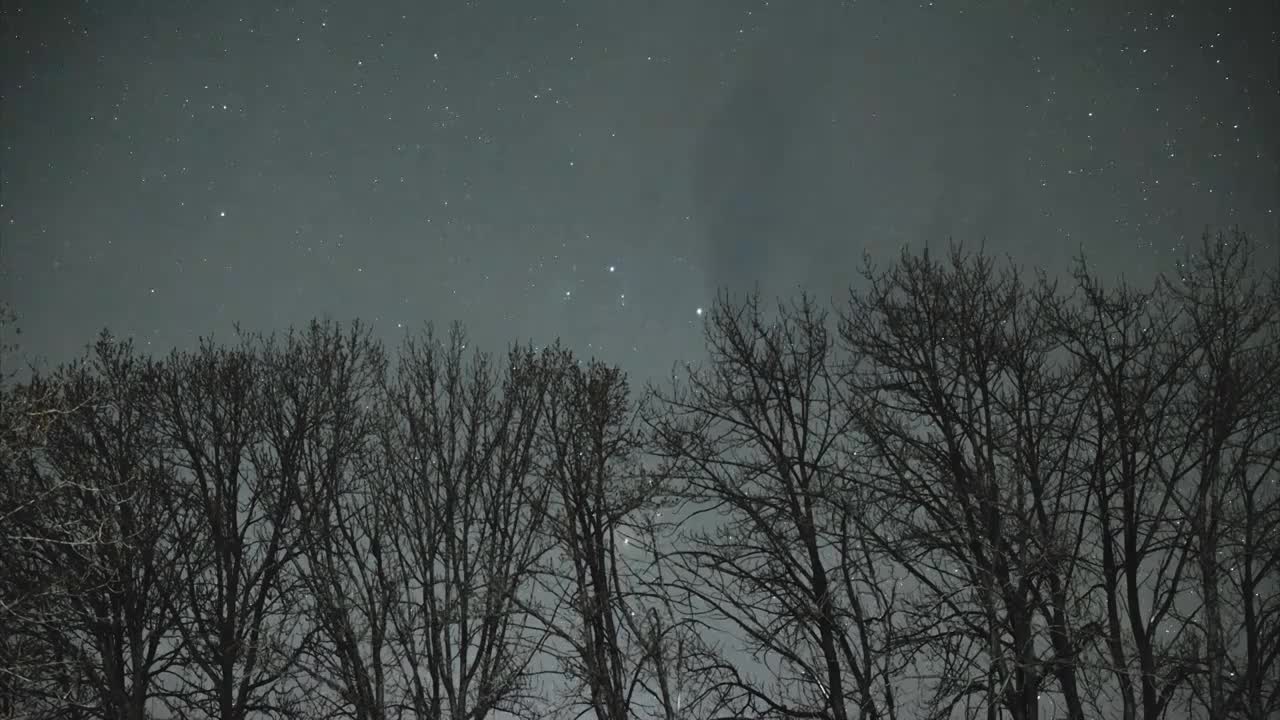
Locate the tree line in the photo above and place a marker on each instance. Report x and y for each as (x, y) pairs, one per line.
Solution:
(963, 491)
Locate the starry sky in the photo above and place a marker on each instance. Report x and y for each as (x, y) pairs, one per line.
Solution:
(594, 170)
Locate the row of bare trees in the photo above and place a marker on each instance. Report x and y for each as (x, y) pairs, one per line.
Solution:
(966, 493)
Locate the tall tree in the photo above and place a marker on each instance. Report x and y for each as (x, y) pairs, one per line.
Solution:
(31, 672)
(346, 577)
(588, 445)
(1132, 460)
(760, 439)
(110, 451)
(34, 676)
(971, 429)
(238, 419)
(456, 480)
(90, 535)
(1229, 421)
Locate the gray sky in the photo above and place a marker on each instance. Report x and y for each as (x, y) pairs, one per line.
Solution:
(593, 169)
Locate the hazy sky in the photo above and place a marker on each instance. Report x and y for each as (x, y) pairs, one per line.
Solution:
(594, 169)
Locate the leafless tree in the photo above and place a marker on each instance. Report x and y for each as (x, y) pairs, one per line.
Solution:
(30, 595)
(34, 678)
(239, 419)
(759, 444)
(1180, 454)
(1228, 421)
(678, 672)
(95, 535)
(973, 485)
(588, 445)
(971, 424)
(456, 483)
(110, 451)
(1134, 460)
(344, 569)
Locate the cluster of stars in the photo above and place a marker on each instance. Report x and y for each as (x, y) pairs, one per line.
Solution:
(366, 163)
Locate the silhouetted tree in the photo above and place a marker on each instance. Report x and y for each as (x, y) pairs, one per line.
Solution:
(346, 583)
(760, 438)
(1133, 459)
(111, 451)
(96, 537)
(679, 673)
(239, 419)
(34, 678)
(26, 657)
(978, 492)
(456, 483)
(1228, 422)
(588, 445)
(971, 428)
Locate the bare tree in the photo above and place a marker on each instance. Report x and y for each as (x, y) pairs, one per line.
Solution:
(345, 570)
(1229, 420)
(977, 486)
(971, 430)
(110, 451)
(1133, 462)
(456, 482)
(677, 671)
(239, 420)
(95, 534)
(32, 676)
(588, 447)
(760, 440)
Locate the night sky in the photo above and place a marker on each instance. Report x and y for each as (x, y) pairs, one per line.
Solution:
(594, 170)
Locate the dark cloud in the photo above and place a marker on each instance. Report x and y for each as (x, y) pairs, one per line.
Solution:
(748, 186)
(739, 184)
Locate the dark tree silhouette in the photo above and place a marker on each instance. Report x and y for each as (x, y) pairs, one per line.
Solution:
(760, 438)
(1133, 459)
(1178, 450)
(588, 446)
(239, 419)
(456, 486)
(971, 428)
(1229, 422)
(975, 495)
(91, 541)
(679, 674)
(342, 567)
(35, 598)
